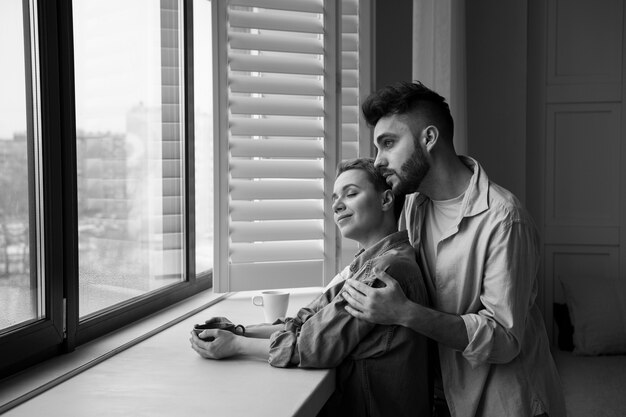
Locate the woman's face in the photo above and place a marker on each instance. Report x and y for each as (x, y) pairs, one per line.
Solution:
(357, 205)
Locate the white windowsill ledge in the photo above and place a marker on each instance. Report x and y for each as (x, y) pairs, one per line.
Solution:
(148, 368)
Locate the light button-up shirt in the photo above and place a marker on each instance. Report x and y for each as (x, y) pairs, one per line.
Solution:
(485, 272)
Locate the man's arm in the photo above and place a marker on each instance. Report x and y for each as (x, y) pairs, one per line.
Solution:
(389, 305)
(492, 334)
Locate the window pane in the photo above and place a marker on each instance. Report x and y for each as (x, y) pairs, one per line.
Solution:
(129, 148)
(203, 145)
(20, 290)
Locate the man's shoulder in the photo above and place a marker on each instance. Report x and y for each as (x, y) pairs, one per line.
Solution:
(503, 204)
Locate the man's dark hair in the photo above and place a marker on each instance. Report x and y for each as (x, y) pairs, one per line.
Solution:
(375, 178)
(403, 98)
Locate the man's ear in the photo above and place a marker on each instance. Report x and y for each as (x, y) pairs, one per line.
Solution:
(431, 135)
(388, 199)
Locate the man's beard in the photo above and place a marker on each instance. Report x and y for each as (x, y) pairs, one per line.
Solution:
(412, 172)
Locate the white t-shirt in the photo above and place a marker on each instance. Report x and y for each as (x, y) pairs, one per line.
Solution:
(441, 215)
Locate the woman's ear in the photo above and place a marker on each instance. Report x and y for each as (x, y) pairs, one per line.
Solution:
(388, 199)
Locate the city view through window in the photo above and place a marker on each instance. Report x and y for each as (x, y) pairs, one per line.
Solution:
(129, 155)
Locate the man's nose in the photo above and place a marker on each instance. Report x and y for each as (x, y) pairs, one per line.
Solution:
(379, 161)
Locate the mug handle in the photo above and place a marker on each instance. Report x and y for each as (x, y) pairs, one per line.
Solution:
(259, 299)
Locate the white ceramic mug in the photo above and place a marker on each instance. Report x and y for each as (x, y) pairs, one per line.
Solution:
(274, 304)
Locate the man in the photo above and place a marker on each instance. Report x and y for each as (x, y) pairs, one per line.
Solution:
(478, 249)
(382, 370)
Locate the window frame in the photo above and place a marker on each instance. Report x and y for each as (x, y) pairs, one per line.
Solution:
(61, 330)
(44, 338)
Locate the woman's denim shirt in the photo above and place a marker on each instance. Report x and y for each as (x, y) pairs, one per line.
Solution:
(381, 370)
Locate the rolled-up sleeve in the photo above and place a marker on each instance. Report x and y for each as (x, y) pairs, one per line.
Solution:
(508, 290)
(283, 345)
(323, 340)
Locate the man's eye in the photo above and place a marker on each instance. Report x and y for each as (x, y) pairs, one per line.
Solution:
(388, 143)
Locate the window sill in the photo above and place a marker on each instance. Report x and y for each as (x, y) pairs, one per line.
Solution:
(148, 368)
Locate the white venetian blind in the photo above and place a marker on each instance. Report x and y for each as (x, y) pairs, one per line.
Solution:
(278, 142)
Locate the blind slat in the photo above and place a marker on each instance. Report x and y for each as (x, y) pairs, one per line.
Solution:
(276, 106)
(276, 189)
(349, 7)
(277, 251)
(276, 168)
(350, 114)
(349, 60)
(311, 6)
(286, 148)
(276, 64)
(276, 43)
(349, 42)
(276, 127)
(350, 96)
(276, 85)
(276, 210)
(349, 79)
(349, 24)
(350, 132)
(259, 276)
(276, 230)
(349, 150)
(274, 21)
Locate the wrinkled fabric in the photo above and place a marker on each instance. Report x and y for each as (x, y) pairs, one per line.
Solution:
(486, 272)
(381, 370)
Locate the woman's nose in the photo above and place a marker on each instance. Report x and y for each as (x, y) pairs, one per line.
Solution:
(338, 206)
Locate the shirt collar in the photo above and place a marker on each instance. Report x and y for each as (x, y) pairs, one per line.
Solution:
(378, 249)
(477, 193)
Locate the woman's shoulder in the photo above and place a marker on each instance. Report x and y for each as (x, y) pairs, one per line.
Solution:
(400, 263)
(402, 266)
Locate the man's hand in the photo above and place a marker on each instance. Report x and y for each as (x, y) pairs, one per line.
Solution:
(377, 305)
(222, 344)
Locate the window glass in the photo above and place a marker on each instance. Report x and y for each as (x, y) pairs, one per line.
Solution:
(128, 62)
(21, 291)
(203, 145)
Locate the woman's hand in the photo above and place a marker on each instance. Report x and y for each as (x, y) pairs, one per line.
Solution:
(217, 344)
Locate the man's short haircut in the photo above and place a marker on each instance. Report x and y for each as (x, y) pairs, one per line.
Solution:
(403, 98)
(375, 178)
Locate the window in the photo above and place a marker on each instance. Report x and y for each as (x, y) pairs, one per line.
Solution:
(129, 149)
(138, 139)
(21, 281)
(98, 149)
(203, 144)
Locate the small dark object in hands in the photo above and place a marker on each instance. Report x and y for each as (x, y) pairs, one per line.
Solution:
(221, 323)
